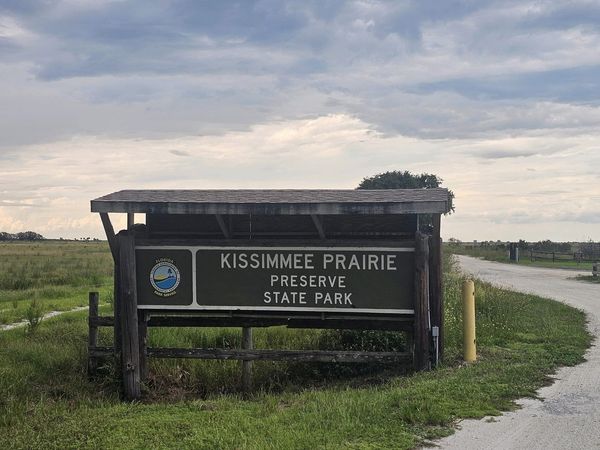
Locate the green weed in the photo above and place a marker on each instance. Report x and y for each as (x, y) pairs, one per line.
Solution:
(34, 315)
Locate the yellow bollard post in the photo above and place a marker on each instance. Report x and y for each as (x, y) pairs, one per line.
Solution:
(468, 294)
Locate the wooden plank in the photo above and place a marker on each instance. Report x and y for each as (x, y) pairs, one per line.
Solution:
(319, 226)
(101, 352)
(281, 355)
(130, 355)
(207, 234)
(223, 226)
(436, 295)
(422, 314)
(271, 225)
(110, 236)
(93, 332)
(405, 324)
(101, 321)
(421, 207)
(247, 344)
(227, 321)
(280, 242)
(117, 313)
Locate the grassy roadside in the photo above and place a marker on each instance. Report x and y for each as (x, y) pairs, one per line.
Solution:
(47, 402)
(500, 255)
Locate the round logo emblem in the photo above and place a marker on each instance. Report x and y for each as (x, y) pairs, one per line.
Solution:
(165, 277)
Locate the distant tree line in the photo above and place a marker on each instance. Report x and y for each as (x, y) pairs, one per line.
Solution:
(22, 236)
(546, 246)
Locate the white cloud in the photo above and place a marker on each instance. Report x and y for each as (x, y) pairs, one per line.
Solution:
(334, 151)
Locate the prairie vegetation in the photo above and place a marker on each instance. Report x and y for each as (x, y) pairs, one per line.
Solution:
(55, 274)
(46, 400)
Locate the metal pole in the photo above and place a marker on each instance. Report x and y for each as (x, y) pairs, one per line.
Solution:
(469, 337)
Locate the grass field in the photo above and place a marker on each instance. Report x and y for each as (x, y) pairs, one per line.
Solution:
(57, 275)
(501, 255)
(47, 402)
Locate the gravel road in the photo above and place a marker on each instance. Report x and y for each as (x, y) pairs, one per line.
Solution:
(569, 415)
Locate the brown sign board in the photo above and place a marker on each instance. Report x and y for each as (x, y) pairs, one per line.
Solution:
(293, 279)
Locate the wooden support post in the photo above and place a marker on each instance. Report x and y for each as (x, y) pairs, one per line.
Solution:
(130, 220)
(117, 314)
(110, 236)
(422, 313)
(247, 344)
(113, 243)
(143, 339)
(436, 294)
(130, 347)
(93, 332)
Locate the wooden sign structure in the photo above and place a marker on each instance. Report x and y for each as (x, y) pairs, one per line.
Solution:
(353, 259)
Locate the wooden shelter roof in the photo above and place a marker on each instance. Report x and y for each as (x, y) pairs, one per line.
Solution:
(276, 201)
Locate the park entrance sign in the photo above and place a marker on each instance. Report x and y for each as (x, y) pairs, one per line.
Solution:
(285, 279)
(254, 258)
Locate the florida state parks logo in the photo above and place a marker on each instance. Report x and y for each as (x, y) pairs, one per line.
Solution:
(165, 277)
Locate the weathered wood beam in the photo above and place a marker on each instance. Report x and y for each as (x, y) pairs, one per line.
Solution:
(182, 241)
(259, 322)
(351, 208)
(384, 323)
(223, 226)
(130, 220)
(100, 352)
(130, 349)
(110, 235)
(422, 315)
(279, 355)
(318, 225)
(101, 321)
(436, 294)
(117, 312)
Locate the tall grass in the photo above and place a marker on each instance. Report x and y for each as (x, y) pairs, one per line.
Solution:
(56, 275)
(46, 400)
(26, 265)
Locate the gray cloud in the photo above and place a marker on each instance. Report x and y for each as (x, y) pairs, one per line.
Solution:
(502, 154)
(425, 85)
(417, 68)
(179, 152)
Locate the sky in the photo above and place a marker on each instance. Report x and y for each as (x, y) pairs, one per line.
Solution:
(501, 99)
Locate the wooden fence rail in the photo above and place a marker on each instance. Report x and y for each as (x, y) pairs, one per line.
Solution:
(247, 354)
(562, 256)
